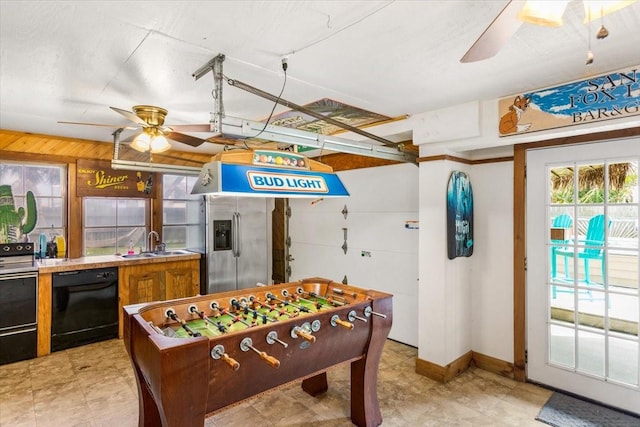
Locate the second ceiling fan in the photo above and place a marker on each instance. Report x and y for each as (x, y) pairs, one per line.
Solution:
(547, 13)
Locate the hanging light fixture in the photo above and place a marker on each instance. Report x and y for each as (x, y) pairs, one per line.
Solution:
(602, 32)
(549, 13)
(599, 8)
(546, 13)
(589, 60)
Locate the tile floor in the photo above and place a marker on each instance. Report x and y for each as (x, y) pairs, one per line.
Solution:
(94, 386)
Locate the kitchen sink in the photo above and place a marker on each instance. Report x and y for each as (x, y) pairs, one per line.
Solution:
(156, 254)
(174, 252)
(140, 255)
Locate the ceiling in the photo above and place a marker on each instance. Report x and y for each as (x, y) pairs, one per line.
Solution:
(71, 60)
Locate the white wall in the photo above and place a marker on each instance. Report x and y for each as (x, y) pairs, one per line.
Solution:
(482, 285)
(445, 285)
(466, 303)
(382, 200)
(474, 126)
(492, 282)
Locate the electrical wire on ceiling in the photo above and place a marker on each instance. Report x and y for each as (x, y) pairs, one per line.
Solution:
(266, 123)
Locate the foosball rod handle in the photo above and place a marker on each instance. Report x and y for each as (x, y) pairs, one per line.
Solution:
(233, 363)
(368, 312)
(218, 352)
(335, 320)
(247, 344)
(272, 361)
(306, 336)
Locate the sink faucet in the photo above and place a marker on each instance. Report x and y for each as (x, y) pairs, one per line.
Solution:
(149, 242)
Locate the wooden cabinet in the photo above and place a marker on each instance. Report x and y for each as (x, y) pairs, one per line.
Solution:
(146, 286)
(157, 282)
(179, 282)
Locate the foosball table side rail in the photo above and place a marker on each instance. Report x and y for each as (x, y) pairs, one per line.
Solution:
(169, 393)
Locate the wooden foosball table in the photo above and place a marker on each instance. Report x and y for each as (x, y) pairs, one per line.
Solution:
(195, 356)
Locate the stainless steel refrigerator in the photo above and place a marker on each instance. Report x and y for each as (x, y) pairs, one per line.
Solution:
(238, 243)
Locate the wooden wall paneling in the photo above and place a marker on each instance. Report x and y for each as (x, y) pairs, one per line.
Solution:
(519, 264)
(344, 162)
(24, 147)
(123, 295)
(278, 241)
(75, 218)
(156, 208)
(55, 149)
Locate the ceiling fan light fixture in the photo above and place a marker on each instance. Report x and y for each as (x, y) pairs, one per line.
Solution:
(159, 144)
(142, 142)
(594, 9)
(546, 13)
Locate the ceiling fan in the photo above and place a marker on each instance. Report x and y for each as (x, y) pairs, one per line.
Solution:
(546, 13)
(154, 133)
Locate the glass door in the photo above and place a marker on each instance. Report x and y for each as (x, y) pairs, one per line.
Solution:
(582, 275)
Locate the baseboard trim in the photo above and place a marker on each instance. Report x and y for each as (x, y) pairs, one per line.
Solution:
(491, 364)
(444, 374)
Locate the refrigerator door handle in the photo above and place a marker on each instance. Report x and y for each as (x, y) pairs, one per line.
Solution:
(234, 228)
(236, 235)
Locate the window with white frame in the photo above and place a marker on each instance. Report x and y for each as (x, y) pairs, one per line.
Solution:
(182, 213)
(47, 183)
(114, 225)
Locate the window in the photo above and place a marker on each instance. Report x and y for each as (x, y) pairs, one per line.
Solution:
(182, 213)
(113, 225)
(48, 185)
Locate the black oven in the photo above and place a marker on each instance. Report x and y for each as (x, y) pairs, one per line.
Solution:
(18, 302)
(84, 307)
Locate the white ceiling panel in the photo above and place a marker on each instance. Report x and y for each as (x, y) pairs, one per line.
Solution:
(71, 60)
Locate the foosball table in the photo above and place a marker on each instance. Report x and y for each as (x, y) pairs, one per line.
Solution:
(195, 356)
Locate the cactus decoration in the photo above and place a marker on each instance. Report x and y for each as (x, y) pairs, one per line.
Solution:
(16, 224)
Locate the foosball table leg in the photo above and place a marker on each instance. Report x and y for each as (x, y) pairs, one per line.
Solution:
(365, 408)
(148, 415)
(315, 385)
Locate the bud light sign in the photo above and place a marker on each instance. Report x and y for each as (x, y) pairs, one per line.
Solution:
(245, 180)
(286, 182)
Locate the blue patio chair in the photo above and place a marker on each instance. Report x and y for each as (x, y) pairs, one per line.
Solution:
(594, 245)
(561, 221)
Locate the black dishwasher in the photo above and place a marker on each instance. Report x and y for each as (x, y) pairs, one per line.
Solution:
(84, 307)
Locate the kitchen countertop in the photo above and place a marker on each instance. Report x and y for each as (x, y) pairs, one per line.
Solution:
(56, 265)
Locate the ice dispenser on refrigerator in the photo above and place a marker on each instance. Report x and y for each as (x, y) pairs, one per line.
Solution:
(222, 233)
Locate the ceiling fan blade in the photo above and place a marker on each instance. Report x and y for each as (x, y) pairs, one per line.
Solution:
(99, 124)
(131, 116)
(496, 35)
(185, 139)
(188, 128)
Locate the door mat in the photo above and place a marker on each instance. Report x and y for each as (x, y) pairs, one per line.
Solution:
(566, 411)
